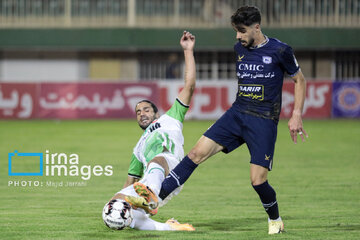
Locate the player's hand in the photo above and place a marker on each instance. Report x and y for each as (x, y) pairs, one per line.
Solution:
(295, 125)
(187, 41)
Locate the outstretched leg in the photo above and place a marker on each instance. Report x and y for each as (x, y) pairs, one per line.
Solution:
(203, 149)
(155, 174)
(142, 222)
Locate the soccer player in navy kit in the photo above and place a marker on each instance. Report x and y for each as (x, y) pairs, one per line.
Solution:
(253, 117)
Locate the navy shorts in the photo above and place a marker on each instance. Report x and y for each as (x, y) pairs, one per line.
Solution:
(235, 128)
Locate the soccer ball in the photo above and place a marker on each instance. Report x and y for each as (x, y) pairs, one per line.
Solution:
(117, 214)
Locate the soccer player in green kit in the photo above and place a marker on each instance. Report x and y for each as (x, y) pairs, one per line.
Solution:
(158, 151)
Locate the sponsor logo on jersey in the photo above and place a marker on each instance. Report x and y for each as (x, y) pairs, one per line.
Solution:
(252, 91)
(240, 58)
(154, 127)
(251, 67)
(267, 59)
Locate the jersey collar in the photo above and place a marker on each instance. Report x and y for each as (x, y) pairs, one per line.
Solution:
(261, 44)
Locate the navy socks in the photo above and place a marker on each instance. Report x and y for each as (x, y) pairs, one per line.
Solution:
(268, 198)
(177, 177)
(185, 168)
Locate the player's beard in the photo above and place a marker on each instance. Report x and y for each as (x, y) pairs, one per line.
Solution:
(250, 43)
(144, 126)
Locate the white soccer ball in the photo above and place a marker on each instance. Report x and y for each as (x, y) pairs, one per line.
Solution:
(117, 214)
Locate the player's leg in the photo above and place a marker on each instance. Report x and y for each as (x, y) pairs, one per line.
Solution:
(267, 194)
(130, 195)
(176, 226)
(203, 149)
(142, 222)
(155, 173)
(260, 137)
(170, 161)
(149, 186)
(268, 199)
(219, 137)
(141, 202)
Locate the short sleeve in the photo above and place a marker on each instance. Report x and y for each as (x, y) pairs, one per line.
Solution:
(178, 110)
(136, 167)
(288, 61)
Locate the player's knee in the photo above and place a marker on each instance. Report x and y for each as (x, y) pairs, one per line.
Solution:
(159, 160)
(196, 155)
(257, 179)
(256, 182)
(258, 174)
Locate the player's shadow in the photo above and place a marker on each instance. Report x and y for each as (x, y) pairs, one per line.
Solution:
(147, 235)
(230, 224)
(336, 227)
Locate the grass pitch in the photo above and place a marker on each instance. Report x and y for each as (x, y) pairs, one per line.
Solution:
(317, 184)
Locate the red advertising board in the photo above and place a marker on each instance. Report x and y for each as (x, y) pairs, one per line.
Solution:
(117, 100)
(18, 100)
(73, 100)
(317, 103)
(92, 100)
(210, 100)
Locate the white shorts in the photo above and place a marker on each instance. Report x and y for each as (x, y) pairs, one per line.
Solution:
(172, 161)
(170, 158)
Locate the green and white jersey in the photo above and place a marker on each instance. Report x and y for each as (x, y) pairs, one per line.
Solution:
(164, 134)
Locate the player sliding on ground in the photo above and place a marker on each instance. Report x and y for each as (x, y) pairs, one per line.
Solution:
(158, 151)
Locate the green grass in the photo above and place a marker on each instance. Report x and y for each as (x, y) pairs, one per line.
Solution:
(317, 184)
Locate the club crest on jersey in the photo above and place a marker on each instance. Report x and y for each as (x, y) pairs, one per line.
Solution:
(267, 59)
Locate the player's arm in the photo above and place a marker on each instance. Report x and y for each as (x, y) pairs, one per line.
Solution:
(295, 123)
(130, 180)
(135, 171)
(187, 42)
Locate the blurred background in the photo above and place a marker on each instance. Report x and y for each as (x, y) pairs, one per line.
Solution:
(96, 58)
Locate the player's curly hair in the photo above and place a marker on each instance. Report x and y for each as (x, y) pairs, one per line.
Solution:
(151, 103)
(246, 15)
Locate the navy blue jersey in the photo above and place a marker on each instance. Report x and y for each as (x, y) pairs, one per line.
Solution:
(260, 73)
